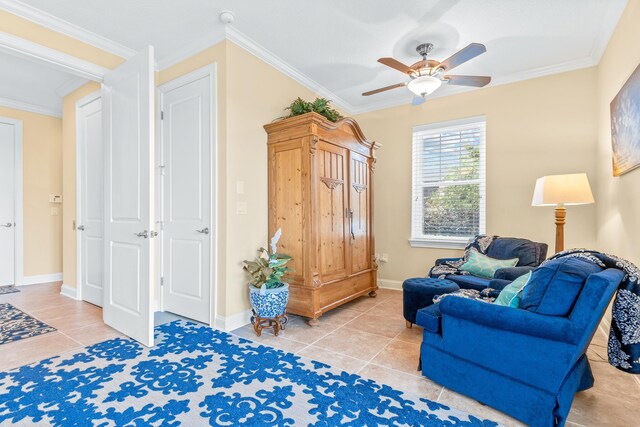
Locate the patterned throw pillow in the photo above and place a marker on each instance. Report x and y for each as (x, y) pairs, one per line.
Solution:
(512, 293)
(483, 266)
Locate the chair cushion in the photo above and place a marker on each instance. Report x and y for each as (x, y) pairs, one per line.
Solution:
(554, 287)
(429, 318)
(484, 266)
(510, 294)
(468, 281)
(527, 252)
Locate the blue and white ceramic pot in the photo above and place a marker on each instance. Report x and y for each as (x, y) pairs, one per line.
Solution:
(269, 302)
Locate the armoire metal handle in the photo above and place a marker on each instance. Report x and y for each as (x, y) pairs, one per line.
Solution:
(204, 230)
(81, 228)
(353, 236)
(8, 225)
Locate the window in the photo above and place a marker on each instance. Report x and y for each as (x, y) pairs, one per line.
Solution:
(448, 205)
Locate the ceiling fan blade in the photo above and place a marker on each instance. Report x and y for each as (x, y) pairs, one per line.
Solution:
(417, 100)
(382, 89)
(463, 55)
(476, 81)
(396, 65)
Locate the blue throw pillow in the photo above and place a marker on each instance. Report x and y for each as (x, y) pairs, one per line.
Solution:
(510, 295)
(554, 287)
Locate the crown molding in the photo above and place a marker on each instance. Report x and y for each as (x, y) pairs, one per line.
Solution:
(250, 45)
(32, 108)
(93, 72)
(562, 67)
(78, 67)
(191, 49)
(68, 87)
(58, 25)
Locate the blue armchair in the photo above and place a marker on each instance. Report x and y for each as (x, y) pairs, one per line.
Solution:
(530, 255)
(520, 361)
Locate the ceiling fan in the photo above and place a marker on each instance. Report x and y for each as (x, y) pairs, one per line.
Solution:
(427, 75)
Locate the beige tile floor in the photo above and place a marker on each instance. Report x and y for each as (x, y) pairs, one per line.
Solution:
(368, 336)
(78, 324)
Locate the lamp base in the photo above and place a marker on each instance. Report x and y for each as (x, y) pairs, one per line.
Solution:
(561, 214)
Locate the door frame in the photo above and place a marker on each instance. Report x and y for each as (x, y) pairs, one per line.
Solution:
(79, 104)
(18, 209)
(209, 71)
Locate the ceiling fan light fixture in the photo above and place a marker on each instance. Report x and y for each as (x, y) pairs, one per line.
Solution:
(424, 85)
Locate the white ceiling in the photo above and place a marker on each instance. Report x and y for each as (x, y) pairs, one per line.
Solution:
(33, 85)
(332, 45)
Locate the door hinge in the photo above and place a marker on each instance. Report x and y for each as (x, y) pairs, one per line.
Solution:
(161, 115)
(162, 281)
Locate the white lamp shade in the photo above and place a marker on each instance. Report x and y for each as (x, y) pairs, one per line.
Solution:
(555, 190)
(424, 85)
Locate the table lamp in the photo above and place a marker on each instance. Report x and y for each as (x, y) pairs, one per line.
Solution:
(561, 191)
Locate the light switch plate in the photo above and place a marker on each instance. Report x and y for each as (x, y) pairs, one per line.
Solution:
(240, 187)
(54, 211)
(55, 198)
(241, 208)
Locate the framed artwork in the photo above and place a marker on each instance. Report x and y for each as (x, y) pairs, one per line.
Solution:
(625, 126)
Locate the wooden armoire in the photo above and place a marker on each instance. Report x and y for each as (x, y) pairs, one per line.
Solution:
(321, 196)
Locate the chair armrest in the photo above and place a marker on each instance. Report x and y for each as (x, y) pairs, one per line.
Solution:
(498, 284)
(443, 260)
(512, 273)
(511, 319)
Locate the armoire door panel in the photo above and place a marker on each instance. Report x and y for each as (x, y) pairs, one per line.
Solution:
(331, 209)
(287, 180)
(359, 199)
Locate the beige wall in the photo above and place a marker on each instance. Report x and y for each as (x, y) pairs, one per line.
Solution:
(256, 95)
(69, 180)
(42, 176)
(537, 127)
(617, 198)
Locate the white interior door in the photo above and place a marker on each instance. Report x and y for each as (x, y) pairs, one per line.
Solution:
(127, 106)
(8, 138)
(91, 197)
(187, 172)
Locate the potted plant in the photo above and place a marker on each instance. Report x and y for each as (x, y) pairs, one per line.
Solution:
(268, 293)
(321, 106)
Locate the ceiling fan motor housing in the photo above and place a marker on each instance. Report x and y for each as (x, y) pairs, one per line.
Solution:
(424, 49)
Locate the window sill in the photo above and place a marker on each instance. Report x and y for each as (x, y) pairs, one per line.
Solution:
(438, 243)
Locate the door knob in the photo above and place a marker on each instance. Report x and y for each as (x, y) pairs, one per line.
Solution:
(143, 234)
(204, 230)
(8, 225)
(81, 228)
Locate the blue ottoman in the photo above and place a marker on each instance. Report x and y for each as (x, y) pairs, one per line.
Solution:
(418, 293)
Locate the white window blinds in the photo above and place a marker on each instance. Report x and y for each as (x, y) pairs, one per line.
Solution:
(448, 182)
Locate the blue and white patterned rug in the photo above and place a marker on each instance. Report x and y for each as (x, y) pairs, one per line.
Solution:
(16, 325)
(8, 289)
(197, 376)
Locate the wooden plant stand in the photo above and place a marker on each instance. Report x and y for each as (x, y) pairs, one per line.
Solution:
(277, 323)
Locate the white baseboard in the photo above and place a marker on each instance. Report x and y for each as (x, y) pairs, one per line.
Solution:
(41, 278)
(390, 284)
(69, 291)
(234, 321)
